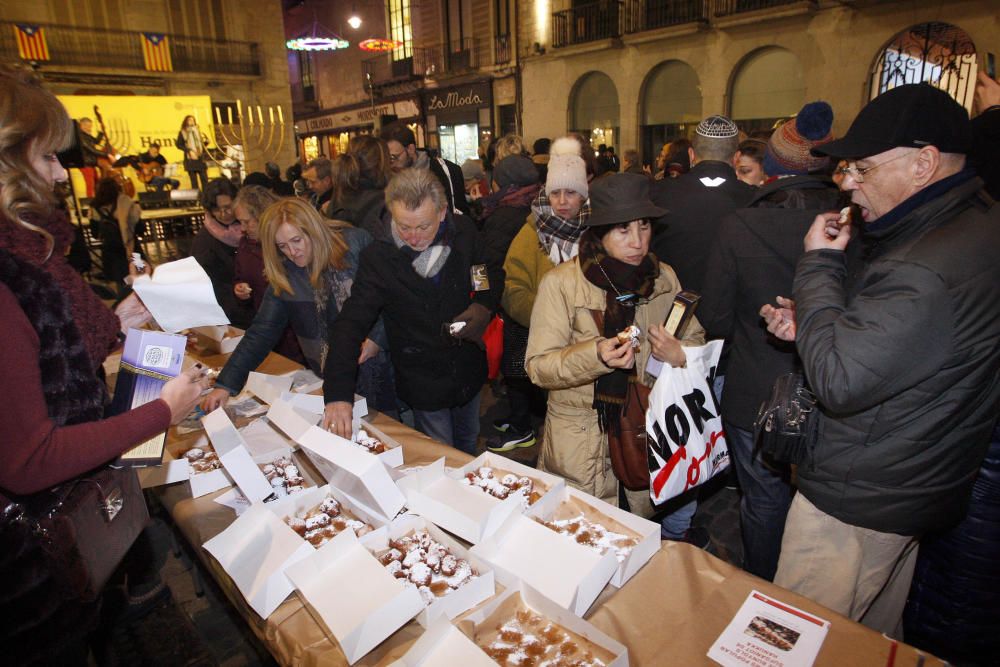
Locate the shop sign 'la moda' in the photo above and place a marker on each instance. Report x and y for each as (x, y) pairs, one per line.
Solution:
(454, 99)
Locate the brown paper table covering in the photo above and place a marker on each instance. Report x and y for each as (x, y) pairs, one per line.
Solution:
(670, 613)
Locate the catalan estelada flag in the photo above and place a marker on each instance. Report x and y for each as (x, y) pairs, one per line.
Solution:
(31, 42)
(156, 52)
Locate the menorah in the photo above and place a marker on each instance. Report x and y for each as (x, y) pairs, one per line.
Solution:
(119, 136)
(248, 134)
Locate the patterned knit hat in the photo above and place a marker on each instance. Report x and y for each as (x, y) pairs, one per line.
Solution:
(788, 149)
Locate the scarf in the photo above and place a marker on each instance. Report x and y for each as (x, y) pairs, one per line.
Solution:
(428, 262)
(192, 139)
(335, 284)
(509, 195)
(73, 392)
(614, 277)
(559, 238)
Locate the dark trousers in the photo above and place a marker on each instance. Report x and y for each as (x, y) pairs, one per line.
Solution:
(202, 175)
(764, 505)
(523, 397)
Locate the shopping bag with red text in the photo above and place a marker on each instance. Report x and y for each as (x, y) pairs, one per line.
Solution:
(685, 441)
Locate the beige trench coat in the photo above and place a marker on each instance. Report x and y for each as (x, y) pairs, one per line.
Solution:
(562, 357)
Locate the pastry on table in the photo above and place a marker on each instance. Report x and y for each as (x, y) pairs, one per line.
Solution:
(283, 475)
(202, 459)
(427, 565)
(592, 529)
(525, 637)
(325, 521)
(500, 484)
(368, 442)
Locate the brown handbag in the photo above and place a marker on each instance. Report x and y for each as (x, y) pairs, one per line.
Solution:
(84, 526)
(629, 460)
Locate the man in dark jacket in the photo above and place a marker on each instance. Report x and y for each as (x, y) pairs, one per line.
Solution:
(697, 201)
(215, 248)
(403, 153)
(752, 260)
(901, 352)
(421, 283)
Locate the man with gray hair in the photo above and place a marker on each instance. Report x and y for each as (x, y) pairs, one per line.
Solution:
(436, 296)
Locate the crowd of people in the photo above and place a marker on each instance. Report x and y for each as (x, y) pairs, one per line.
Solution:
(383, 276)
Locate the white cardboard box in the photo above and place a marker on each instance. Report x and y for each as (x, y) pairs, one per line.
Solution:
(268, 388)
(553, 483)
(648, 532)
(300, 503)
(351, 595)
(393, 454)
(456, 507)
(291, 419)
(569, 574)
(545, 607)
(179, 470)
(443, 644)
(254, 551)
(235, 457)
(220, 339)
(458, 601)
(354, 471)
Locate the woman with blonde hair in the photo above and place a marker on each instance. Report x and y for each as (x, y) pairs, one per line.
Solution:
(310, 264)
(57, 334)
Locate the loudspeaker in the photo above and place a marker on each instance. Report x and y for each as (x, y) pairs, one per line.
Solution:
(154, 200)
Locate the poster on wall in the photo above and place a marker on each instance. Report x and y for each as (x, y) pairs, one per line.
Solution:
(133, 122)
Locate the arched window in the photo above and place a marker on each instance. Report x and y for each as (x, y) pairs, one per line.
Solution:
(767, 86)
(671, 106)
(594, 110)
(940, 54)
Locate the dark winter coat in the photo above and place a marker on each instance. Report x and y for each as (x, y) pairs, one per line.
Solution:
(433, 370)
(905, 363)
(752, 262)
(695, 210)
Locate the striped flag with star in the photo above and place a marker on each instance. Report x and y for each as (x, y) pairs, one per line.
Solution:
(31, 42)
(156, 52)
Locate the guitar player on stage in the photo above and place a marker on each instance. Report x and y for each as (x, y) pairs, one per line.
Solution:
(151, 165)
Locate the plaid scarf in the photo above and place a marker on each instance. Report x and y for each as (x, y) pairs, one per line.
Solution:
(559, 238)
(614, 277)
(428, 262)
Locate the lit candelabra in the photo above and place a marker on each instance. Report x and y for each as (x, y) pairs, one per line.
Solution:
(249, 133)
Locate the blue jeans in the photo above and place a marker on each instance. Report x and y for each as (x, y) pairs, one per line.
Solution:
(458, 426)
(764, 505)
(675, 524)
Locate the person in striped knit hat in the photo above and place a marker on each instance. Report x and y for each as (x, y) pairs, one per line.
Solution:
(788, 149)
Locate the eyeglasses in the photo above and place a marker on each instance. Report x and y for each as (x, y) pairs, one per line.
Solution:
(234, 223)
(396, 157)
(858, 173)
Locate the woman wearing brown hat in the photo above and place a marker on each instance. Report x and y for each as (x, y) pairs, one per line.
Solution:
(614, 280)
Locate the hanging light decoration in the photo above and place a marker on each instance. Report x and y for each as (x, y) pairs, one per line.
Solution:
(379, 45)
(325, 40)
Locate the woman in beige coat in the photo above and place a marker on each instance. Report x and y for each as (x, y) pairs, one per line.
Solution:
(585, 367)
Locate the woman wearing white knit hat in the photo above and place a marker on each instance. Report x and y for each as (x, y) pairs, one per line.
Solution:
(549, 237)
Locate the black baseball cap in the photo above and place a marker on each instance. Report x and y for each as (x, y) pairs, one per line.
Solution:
(911, 116)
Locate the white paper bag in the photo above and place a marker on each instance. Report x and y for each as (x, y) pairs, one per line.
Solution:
(687, 445)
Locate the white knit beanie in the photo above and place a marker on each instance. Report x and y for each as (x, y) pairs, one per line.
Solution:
(567, 172)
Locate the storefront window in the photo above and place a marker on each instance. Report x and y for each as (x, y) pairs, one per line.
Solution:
(671, 106)
(594, 109)
(310, 147)
(459, 142)
(768, 86)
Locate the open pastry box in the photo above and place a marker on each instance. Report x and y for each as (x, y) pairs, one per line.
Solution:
(498, 476)
(352, 596)
(254, 551)
(443, 644)
(220, 339)
(457, 507)
(522, 626)
(632, 539)
(441, 600)
(569, 574)
(310, 503)
(353, 471)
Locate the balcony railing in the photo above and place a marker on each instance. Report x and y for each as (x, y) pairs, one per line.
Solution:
(502, 45)
(71, 46)
(588, 23)
(652, 14)
(728, 7)
(382, 70)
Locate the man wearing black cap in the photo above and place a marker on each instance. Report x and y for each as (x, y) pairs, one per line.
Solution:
(901, 351)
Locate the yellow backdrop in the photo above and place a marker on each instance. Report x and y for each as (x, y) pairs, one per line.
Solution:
(135, 121)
